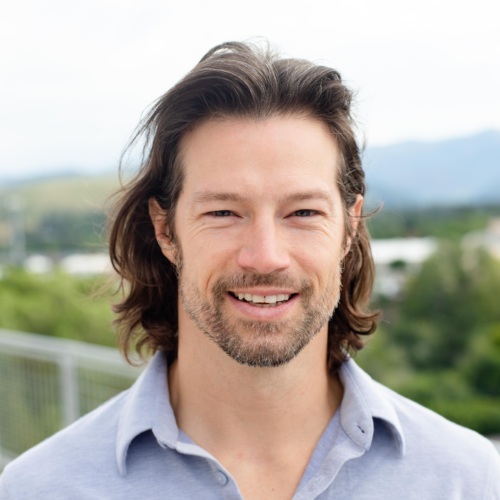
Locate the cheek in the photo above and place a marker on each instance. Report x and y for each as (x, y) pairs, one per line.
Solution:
(216, 248)
(203, 267)
(321, 251)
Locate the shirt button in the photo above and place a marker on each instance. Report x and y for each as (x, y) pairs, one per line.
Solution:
(221, 478)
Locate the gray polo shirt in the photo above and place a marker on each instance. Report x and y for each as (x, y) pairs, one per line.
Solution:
(377, 446)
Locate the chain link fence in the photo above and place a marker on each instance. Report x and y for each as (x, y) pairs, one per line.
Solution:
(47, 383)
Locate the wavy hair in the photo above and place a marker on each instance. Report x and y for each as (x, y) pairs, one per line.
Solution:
(232, 80)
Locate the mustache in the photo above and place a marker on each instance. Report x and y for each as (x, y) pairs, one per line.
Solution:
(249, 280)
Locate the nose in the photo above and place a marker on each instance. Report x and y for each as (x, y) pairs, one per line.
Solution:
(263, 248)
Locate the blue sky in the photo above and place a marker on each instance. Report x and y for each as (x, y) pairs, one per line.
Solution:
(75, 76)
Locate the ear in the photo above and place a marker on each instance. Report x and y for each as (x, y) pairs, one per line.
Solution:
(158, 217)
(354, 212)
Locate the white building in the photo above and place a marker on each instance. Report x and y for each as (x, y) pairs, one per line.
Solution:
(488, 238)
(396, 258)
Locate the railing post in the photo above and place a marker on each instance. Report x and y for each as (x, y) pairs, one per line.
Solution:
(68, 369)
(60, 370)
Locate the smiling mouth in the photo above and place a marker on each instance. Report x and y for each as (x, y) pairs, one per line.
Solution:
(263, 300)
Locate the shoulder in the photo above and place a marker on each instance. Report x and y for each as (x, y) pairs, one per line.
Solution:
(424, 426)
(449, 450)
(440, 453)
(419, 427)
(85, 448)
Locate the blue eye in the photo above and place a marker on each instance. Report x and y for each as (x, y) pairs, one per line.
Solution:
(304, 213)
(221, 213)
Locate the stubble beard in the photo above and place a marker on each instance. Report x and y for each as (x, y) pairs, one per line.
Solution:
(259, 343)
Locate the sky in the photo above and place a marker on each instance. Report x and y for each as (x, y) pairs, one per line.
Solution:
(76, 76)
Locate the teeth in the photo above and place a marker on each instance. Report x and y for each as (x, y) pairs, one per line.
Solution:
(262, 299)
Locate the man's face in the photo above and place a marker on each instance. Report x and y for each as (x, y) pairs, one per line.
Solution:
(259, 235)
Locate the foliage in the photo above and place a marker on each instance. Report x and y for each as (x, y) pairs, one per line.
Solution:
(441, 346)
(56, 304)
(445, 304)
(448, 223)
(63, 231)
(58, 215)
(482, 365)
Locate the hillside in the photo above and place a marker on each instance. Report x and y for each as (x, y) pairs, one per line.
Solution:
(74, 193)
(56, 214)
(460, 171)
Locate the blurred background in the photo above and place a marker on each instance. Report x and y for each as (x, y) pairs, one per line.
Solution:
(75, 79)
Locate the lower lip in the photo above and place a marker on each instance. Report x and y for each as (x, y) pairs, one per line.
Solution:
(263, 312)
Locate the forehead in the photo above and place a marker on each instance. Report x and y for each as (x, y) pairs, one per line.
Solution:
(274, 153)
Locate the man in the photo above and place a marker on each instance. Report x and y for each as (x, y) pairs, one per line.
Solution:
(247, 270)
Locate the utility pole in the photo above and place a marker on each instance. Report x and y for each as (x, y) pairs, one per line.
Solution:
(15, 209)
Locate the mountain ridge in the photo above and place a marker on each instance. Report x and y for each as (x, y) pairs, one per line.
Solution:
(409, 174)
(464, 170)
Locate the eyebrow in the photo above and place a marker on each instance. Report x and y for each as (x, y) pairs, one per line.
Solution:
(208, 196)
(315, 194)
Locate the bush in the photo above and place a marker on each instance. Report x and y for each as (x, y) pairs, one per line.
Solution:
(56, 304)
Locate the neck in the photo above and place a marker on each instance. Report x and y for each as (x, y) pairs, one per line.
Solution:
(226, 407)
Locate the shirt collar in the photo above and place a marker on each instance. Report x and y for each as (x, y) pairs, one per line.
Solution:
(148, 408)
(365, 400)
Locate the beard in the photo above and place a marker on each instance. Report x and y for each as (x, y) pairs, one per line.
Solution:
(259, 343)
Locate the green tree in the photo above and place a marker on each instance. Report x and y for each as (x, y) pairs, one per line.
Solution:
(445, 334)
(482, 365)
(56, 304)
(436, 316)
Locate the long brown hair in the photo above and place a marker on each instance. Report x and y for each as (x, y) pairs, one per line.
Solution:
(232, 80)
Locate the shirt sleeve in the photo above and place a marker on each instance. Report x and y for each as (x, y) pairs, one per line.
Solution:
(492, 490)
(4, 495)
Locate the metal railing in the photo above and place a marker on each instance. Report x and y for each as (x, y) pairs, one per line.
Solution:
(47, 383)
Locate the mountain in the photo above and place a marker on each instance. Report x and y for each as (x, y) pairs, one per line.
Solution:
(64, 194)
(460, 171)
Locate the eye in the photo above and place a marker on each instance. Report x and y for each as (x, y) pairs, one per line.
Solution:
(304, 213)
(221, 213)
